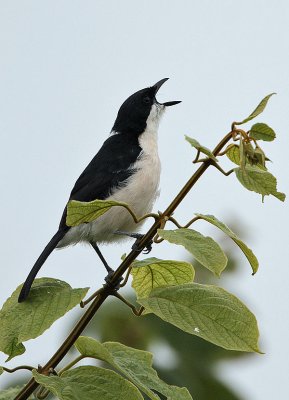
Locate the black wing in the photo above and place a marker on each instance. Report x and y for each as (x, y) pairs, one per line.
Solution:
(107, 170)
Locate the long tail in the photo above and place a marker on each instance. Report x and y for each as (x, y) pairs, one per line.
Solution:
(40, 261)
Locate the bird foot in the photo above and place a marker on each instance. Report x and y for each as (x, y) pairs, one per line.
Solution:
(138, 237)
(108, 279)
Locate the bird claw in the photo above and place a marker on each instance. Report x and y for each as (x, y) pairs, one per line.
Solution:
(146, 250)
(108, 277)
(138, 237)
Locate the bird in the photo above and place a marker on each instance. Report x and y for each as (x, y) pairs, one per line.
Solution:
(125, 169)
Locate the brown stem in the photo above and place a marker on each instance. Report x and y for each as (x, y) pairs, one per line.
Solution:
(87, 301)
(126, 277)
(114, 281)
(197, 156)
(42, 393)
(174, 221)
(222, 153)
(219, 168)
(136, 311)
(11, 370)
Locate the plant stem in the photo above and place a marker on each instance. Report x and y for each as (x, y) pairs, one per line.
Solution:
(71, 364)
(136, 311)
(11, 370)
(109, 289)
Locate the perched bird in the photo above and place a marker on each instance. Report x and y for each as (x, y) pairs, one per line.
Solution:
(126, 168)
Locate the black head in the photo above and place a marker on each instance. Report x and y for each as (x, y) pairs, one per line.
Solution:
(134, 112)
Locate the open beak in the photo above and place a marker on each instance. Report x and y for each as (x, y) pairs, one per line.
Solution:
(157, 87)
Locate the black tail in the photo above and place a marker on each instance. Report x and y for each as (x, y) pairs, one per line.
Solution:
(40, 261)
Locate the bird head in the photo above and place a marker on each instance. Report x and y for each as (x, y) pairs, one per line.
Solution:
(139, 108)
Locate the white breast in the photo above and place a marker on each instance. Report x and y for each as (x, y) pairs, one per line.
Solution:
(139, 191)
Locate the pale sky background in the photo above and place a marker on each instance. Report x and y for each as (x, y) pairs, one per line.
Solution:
(66, 67)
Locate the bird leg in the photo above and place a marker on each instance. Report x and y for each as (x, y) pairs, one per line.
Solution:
(138, 237)
(103, 260)
(107, 267)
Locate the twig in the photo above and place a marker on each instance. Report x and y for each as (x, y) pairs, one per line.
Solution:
(174, 221)
(71, 364)
(222, 153)
(221, 169)
(136, 311)
(108, 290)
(201, 160)
(95, 294)
(135, 218)
(163, 219)
(126, 277)
(11, 370)
(197, 156)
(42, 393)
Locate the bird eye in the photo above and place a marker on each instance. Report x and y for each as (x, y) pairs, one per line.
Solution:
(146, 100)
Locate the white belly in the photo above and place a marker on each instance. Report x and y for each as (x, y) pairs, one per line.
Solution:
(140, 192)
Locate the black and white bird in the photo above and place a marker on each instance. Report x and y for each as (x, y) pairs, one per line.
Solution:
(126, 168)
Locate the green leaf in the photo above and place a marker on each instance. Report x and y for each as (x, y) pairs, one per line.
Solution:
(258, 110)
(202, 149)
(11, 393)
(259, 159)
(233, 154)
(135, 365)
(249, 153)
(248, 252)
(152, 273)
(1, 370)
(79, 212)
(206, 311)
(89, 383)
(280, 196)
(262, 131)
(89, 347)
(255, 156)
(203, 248)
(242, 155)
(48, 300)
(256, 180)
